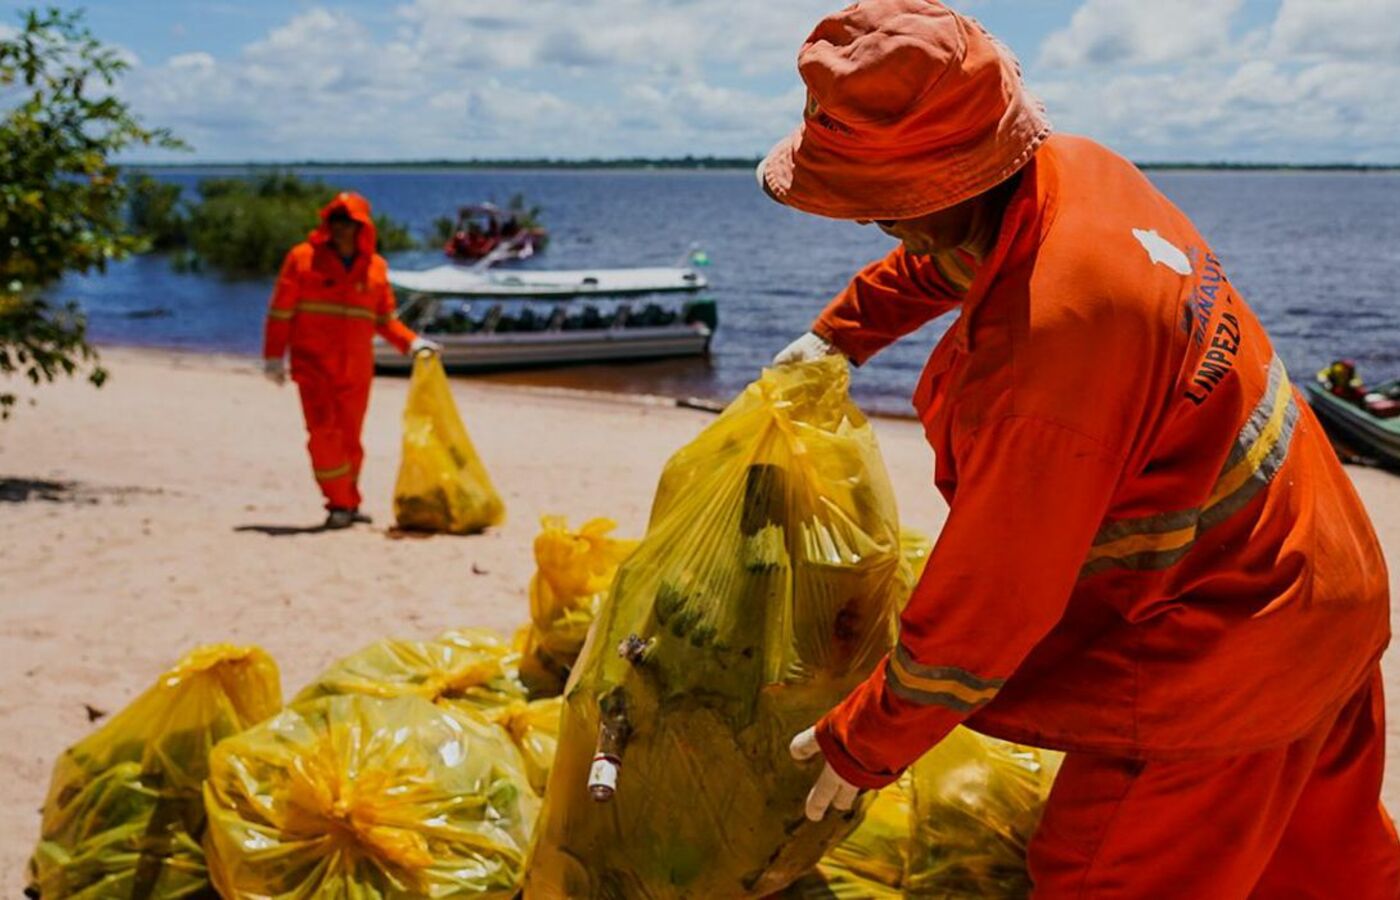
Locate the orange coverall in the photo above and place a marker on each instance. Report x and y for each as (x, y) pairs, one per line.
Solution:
(327, 315)
(1152, 559)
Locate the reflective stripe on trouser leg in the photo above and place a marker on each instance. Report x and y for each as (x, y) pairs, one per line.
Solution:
(351, 402)
(333, 471)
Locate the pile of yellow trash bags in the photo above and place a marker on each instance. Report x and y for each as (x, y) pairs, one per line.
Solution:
(632, 741)
(409, 769)
(442, 485)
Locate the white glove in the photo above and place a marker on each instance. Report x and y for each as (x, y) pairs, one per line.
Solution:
(831, 790)
(275, 371)
(805, 349)
(421, 343)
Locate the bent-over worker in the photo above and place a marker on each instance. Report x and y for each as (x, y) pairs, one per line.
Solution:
(1166, 572)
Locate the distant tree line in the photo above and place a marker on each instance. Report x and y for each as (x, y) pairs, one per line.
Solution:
(700, 163)
(633, 162)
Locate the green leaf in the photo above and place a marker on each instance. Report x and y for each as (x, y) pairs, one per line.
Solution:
(62, 201)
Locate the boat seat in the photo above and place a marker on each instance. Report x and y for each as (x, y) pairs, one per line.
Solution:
(492, 319)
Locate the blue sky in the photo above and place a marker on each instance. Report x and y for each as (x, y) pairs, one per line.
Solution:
(1195, 80)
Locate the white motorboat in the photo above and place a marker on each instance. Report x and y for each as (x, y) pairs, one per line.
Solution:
(484, 281)
(479, 333)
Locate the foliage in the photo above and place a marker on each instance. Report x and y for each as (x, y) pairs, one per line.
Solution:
(527, 216)
(393, 235)
(61, 200)
(155, 213)
(42, 340)
(244, 226)
(442, 229)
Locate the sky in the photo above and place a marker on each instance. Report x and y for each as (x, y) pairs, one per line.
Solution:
(1294, 81)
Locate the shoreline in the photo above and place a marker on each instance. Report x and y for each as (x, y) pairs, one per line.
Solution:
(544, 380)
(174, 507)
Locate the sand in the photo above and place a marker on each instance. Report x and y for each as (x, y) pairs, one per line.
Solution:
(173, 508)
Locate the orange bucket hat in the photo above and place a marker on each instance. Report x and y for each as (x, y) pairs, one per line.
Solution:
(911, 108)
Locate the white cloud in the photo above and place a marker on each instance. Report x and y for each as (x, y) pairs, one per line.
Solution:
(472, 78)
(1168, 79)
(1104, 32)
(642, 34)
(1321, 83)
(1338, 28)
(198, 61)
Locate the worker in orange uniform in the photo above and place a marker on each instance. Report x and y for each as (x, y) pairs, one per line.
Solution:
(332, 296)
(1164, 572)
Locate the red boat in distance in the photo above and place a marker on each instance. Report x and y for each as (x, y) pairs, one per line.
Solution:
(484, 229)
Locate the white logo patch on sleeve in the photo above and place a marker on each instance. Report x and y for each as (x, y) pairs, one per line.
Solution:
(1163, 251)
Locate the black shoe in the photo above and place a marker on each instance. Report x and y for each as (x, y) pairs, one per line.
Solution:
(339, 518)
(360, 518)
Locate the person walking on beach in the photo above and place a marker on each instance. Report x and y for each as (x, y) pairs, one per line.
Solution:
(1164, 572)
(331, 297)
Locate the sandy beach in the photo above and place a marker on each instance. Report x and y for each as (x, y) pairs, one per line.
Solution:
(174, 507)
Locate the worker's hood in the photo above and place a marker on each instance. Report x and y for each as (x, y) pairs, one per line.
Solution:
(357, 208)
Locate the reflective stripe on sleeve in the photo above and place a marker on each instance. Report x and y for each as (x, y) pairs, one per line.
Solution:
(1160, 541)
(947, 686)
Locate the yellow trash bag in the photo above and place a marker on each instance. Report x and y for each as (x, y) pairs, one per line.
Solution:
(764, 591)
(915, 547)
(876, 851)
(470, 670)
(362, 798)
(870, 863)
(442, 485)
(573, 574)
(534, 727)
(825, 884)
(124, 812)
(977, 802)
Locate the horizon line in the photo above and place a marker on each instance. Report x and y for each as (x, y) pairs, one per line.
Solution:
(678, 162)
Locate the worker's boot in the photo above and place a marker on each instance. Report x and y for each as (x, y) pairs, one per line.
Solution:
(360, 518)
(339, 518)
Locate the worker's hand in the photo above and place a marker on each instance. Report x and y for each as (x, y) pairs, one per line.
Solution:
(421, 344)
(275, 371)
(831, 790)
(805, 349)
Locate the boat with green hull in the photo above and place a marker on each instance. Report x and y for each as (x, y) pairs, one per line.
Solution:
(1357, 426)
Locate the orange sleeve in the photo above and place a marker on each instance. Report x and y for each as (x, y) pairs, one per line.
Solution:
(1031, 496)
(285, 295)
(890, 298)
(386, 320)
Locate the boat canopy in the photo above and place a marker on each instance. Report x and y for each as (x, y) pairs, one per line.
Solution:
(456, 281)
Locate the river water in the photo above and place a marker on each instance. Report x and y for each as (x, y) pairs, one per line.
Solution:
(1317, 255)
